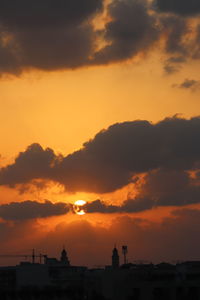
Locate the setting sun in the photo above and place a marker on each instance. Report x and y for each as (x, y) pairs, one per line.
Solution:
(79, 207)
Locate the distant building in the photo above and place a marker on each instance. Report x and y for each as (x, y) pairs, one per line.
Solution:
(115, 259)
(55, 262)
(57, 279)
(148, 281)
(64, 259)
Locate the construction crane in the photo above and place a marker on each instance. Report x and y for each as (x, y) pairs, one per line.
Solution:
(33, 256)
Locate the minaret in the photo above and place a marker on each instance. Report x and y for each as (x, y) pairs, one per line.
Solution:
(115, 258)
(64, 259)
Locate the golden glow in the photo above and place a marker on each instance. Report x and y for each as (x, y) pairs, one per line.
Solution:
(80, 202)
(65, 125)
(78, 207)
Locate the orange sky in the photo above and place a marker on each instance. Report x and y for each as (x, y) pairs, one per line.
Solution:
(64, 109)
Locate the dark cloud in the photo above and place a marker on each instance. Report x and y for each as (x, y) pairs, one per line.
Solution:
(176, 29)
(55, 35)
(128, 206)
(46, 35)
(19, 211)
(173, 64)
(51, 49)
(159, 188)
(189, 84)
(171, 68)
(98, 206)
(176, 59)
(181, 41)
(181, 7)
(53, 13)
(110, 160)
(52, 35)
(164, 187)
(31, 164)
(196, 44)
(130, 31)
(178, 43)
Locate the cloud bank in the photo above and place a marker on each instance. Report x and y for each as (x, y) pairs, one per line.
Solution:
(113, 157)
(46, 35)
(162, 160)
(159, 188)
(19, 211)
(57, 35)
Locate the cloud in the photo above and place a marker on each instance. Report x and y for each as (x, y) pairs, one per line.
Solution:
(46, 35)
(111, 159)
(176, 29)
(31, 164)
(174, 63)
(60, 35)
(171, 68)
(191, 84)
(99, 206)
(165, 187)
(131, 31)
(181, 41)
(158, 188)
(22, 14)
(181, 7)
(128, 206)
(19, 211)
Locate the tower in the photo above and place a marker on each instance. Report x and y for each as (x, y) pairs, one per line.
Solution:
(125, 251)
(115, 259)
(64, 258)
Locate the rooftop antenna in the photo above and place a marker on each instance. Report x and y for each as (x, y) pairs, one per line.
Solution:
(33, 256)
(125, 251)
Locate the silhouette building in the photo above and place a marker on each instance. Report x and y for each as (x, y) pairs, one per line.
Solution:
(115, 258)
(57, 279)
(64, 258)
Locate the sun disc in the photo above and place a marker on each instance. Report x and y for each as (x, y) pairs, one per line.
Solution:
(80, 202)
(78, 207)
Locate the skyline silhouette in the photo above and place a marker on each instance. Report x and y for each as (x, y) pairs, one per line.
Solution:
(59, 279)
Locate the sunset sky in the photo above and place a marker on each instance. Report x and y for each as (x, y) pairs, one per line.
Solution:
(100, 102)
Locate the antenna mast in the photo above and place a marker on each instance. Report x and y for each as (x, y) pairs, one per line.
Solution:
(125, 251)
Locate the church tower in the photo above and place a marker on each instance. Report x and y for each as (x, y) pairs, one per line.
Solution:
(64, 258)
(115, 259)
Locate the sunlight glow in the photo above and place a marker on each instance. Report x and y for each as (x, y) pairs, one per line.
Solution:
(78, 207)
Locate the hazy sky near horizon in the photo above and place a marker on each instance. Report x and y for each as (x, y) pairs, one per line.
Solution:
(100, 102)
